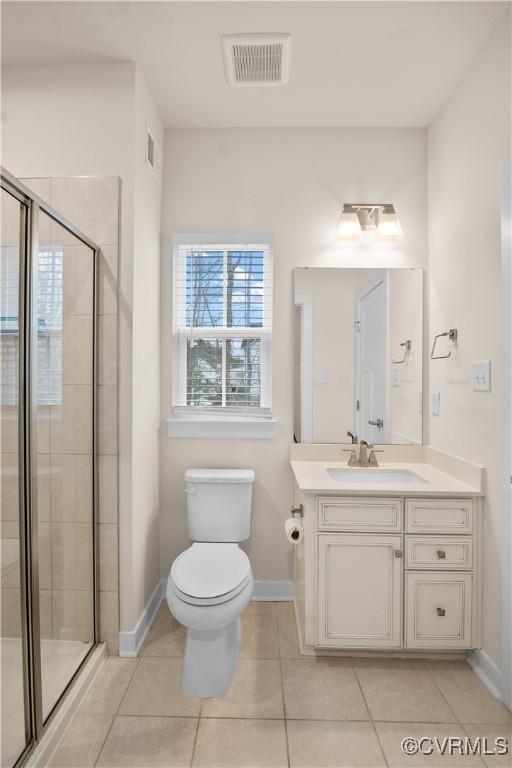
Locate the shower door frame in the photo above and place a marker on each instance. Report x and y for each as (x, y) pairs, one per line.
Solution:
(30, 206)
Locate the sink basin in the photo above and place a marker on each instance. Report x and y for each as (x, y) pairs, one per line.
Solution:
(374, 475)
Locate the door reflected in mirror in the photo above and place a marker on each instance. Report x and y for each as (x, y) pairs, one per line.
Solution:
(358, 355)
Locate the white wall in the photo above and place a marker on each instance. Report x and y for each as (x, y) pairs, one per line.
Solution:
(142, 572)
(90, 120)
(468, 142)
(70, 121)
(291, 182)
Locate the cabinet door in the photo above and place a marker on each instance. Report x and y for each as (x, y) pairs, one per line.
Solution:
(359, 591)
(438, 610)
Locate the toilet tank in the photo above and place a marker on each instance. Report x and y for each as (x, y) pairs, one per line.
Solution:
(219, 504)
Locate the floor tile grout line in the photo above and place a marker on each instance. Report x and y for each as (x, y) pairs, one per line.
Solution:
(276, 610)
(104, 740)
(284, 705)
(438, 688)
(379, 742)
(115, 714)
(135, 667)
(360, 686)
(434, 724)
(192, 756)
(302, 719)
(370, 715)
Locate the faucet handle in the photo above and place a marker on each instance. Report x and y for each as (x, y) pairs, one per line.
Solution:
(352, 458)
(372, 459)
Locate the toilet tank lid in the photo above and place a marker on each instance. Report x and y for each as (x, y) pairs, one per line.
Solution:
(219, 476)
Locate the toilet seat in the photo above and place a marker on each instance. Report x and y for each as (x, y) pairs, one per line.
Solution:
(210, 573)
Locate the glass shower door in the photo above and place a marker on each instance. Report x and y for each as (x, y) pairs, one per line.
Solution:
(15, 721)
(64, 286)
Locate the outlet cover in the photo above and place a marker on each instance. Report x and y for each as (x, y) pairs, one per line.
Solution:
(436, 401)
(395, 377)
(481, 376)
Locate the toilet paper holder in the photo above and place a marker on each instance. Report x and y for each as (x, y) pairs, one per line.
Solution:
(298, 511)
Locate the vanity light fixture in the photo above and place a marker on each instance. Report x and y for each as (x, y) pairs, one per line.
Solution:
(376, 221)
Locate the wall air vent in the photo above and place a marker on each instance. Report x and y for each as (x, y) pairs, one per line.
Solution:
(153, 155)
(256, 59)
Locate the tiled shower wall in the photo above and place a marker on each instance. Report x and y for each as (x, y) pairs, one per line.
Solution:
(65, 482)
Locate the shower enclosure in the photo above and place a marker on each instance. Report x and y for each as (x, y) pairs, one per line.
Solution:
(49, 483)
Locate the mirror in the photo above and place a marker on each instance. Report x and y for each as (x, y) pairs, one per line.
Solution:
(358, 355)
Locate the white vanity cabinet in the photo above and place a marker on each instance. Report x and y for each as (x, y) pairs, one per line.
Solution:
(381, 573)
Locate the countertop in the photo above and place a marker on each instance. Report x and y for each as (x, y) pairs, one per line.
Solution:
(312, 477)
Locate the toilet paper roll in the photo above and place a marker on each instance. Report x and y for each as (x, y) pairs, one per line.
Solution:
(294, 530)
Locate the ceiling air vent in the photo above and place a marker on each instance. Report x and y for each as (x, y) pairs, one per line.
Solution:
(256, 59)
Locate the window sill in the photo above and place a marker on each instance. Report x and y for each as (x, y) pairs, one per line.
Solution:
(256, 429)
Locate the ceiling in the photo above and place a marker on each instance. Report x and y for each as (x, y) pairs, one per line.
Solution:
(352, 63)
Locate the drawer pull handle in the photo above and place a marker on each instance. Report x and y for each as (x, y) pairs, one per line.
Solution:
(441, 554)
(441, 612)
(398, 553)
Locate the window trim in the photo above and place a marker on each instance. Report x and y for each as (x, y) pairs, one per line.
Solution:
(196, 421)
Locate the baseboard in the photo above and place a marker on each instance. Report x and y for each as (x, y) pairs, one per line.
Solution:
(130, 642)
(273, 591)
(486, 670)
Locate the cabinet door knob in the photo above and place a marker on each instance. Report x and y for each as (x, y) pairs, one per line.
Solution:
(441, 554)
(398, 553)
(441, 612)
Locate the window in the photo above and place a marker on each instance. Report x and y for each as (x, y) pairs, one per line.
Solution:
(49, 326)
(222, 327)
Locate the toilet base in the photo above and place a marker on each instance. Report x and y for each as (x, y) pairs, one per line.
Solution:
(211, 661)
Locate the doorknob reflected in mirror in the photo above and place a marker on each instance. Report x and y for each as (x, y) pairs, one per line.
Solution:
(379, 423)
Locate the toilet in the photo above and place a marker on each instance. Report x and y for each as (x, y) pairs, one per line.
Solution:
(211, 583)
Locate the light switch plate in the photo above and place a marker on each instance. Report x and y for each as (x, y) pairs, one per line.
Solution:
(436, 401)
(395, 377)
(481, 375)
(322, 376)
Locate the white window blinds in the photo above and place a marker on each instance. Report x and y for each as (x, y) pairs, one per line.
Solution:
(49, 325)
(222, 327)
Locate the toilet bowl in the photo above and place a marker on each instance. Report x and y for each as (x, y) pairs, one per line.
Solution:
(208, 588)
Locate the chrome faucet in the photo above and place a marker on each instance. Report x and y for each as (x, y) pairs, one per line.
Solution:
(364, 459)
(353, 437)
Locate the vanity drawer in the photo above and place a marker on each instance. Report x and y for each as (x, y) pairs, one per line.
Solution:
(439, 552)
(359, 514)
(439, 516)
(438, 610)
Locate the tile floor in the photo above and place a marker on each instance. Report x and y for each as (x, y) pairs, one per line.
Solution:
(283, 710)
